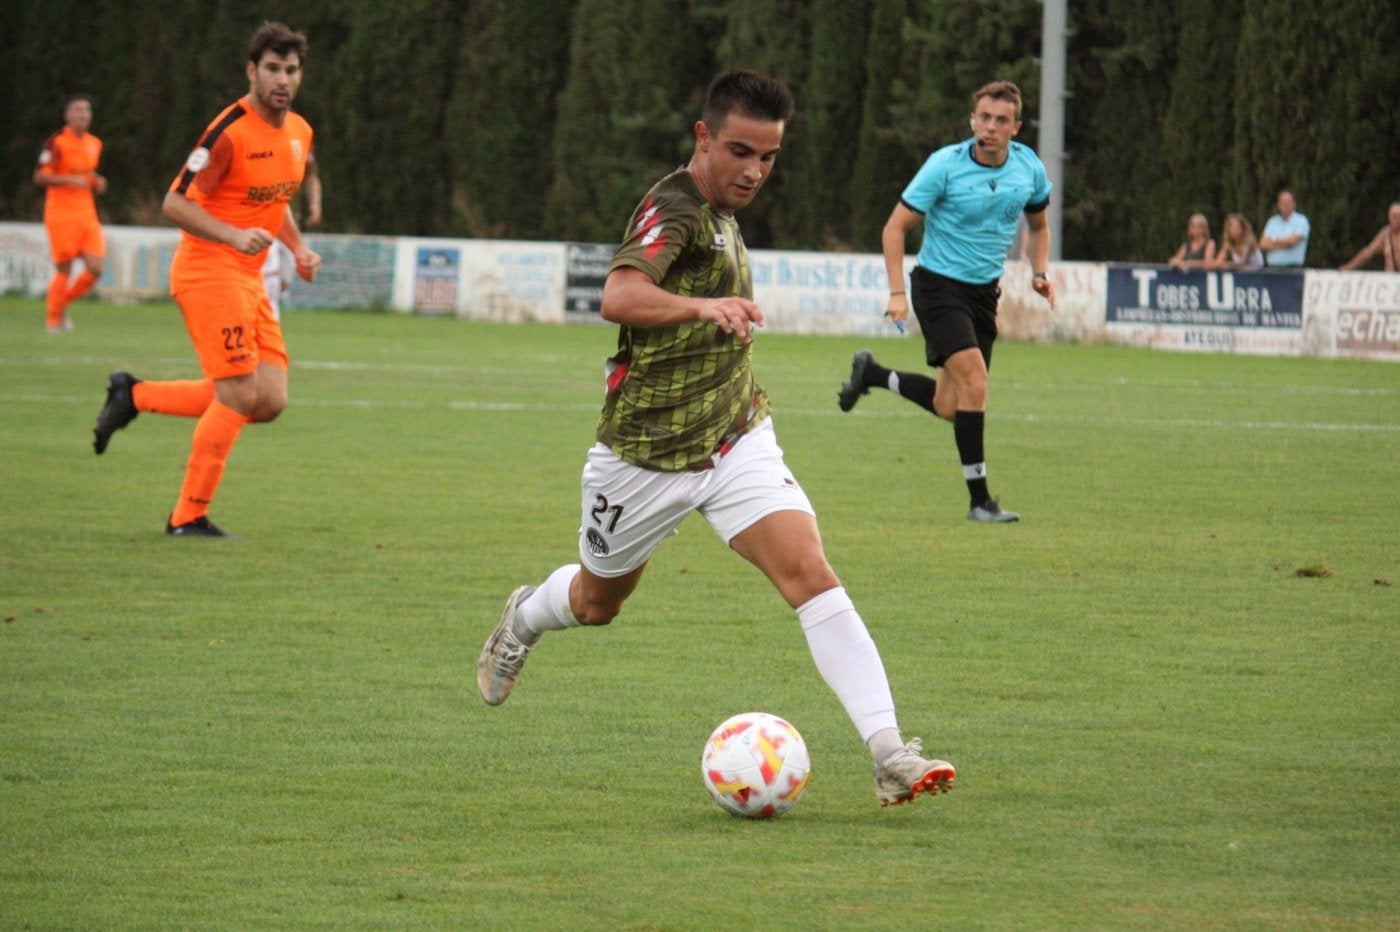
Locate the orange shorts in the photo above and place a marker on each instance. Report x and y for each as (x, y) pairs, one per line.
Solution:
(233, 327)
(69, 239)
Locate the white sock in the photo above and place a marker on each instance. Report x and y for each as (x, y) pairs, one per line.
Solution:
(547, 608)
(884, 743)
(850, 663)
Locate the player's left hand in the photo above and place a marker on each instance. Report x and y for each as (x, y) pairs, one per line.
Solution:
(308, 261)
(99, 183)
(1046, 289)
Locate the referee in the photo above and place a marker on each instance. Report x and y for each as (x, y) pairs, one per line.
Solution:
(971, 196)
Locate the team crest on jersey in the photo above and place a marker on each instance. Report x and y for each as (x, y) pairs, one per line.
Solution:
(198, 159)
(296, 149)
(596, 545)
(719, 243)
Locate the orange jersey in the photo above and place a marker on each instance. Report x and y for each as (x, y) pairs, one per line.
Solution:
(67, 153)
(243, 172)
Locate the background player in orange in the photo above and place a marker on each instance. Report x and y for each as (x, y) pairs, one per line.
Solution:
(67, 172)
(231, 200)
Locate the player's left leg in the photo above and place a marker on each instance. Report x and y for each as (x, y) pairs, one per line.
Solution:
(765, 517)
(963, 396)
(92, 254)
(223, 321)
(269, 393)
(56, 300)
(786, 547)
(866, 374)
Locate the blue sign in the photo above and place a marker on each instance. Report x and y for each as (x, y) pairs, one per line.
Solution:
(1226, 298)
(435, 275)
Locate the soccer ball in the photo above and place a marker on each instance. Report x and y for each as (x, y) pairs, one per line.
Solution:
(755, 765)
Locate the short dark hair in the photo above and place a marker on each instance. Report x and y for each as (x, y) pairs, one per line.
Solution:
(71, 99)
(279, 39)
(753, 94)
(999, 90)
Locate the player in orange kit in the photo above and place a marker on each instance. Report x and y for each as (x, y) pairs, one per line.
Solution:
(67, 172)
(231, 200)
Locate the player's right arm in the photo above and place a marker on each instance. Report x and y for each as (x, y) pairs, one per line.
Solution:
(892, 238)
(209, 167)
(49, 179)
(631, 298)
(47, 174)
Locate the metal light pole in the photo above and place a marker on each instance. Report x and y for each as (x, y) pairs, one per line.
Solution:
(1054, 33)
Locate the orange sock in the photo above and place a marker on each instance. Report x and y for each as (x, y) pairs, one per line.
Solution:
(58, 298)
(81, 287)
(214, 437)
(182, 397)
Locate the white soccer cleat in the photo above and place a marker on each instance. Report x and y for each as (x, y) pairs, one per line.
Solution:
(504, 654)
(991, 512)
(906, 773)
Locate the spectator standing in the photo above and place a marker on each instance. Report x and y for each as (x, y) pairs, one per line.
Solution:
(1197, 251)
(1387, 243)
(1285, 239)
(1238, 247)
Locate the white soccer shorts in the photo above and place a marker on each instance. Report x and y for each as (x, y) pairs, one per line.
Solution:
(628, 511)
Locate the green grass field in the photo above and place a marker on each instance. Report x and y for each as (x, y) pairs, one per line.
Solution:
(1170, 690)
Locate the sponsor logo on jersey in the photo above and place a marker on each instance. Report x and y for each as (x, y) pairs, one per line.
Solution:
(260, 155)
(281, 191)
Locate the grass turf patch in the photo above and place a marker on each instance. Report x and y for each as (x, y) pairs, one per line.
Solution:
(1162, 712)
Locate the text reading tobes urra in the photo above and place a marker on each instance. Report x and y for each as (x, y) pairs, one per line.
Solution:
(1221, 293)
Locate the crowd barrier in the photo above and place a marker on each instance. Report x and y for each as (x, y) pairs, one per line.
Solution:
(1270, 312)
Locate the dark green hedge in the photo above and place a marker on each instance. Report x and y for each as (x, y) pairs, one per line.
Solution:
(545, 119)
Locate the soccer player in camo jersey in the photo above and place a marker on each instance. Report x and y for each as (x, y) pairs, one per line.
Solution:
(971, 196)
(685, 429)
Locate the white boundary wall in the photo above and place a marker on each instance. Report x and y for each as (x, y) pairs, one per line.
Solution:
(1313, 313)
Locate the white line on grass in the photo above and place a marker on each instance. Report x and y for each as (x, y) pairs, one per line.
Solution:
(94, 400)
(333, 365)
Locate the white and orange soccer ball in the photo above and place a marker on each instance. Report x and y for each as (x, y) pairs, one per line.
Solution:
(756, 765)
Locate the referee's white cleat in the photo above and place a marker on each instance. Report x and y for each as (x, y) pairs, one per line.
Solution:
(992, 513)
(499, 665)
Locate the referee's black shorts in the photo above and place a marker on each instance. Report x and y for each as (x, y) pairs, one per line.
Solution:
(954, 315)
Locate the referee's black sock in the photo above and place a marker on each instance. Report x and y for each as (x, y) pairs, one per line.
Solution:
(914, 386)
(967, 433)
(917, 387)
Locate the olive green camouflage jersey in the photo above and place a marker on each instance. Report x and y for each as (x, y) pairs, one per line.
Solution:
(679, 396)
